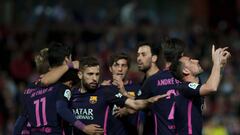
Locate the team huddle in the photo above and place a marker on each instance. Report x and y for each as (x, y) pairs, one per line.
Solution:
(69, 98)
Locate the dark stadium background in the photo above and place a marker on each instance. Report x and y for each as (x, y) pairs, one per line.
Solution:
(103, 27)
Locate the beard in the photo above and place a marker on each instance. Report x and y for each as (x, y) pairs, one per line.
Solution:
(143, 69)
(90, 87)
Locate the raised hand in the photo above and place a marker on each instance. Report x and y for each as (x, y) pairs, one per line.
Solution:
(75, 64)
(220, 56)
(216, 55)
(117, 80)
(224, 57)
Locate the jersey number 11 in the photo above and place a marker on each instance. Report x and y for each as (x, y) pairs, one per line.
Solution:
(37, 113)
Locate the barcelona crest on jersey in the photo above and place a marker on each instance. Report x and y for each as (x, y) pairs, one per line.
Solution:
(93, 99)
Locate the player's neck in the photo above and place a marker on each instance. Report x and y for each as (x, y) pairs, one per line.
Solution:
(82, 90)
(68, 83)
(190, 78)
(153, 70)
(167, 65)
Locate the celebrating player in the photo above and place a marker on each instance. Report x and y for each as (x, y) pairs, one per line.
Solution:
(188, 111)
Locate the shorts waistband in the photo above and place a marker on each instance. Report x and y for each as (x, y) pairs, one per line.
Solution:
(42, 129)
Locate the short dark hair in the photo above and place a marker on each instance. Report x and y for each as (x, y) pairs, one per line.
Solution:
(88, 62)
(57, 53)
(115, 57)
(155, 48)
(177, 69)
(173, 49)
(70, 75)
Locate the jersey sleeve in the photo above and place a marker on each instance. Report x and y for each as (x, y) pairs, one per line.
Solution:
(145, 91)
(113, 96)
(63, 108)
(189, 89)
(64, 93)
(137, 89)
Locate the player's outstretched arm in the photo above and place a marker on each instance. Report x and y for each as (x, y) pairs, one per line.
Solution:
(120, 112)
(143, 103)
(219, 58)
(55, 74)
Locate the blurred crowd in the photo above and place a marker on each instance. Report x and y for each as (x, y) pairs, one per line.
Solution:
(102, 29)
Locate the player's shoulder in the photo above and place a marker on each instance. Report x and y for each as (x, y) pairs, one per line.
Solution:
(58, 85)
(150, 79)
(76, 95)
(132, 86)
(132, 83)
(160, 74)
(75, 90)
(154, 76)
(192, 85)
(107, 90)
(107, 87)
(165, 74)
(188, 85)
(32, 85)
